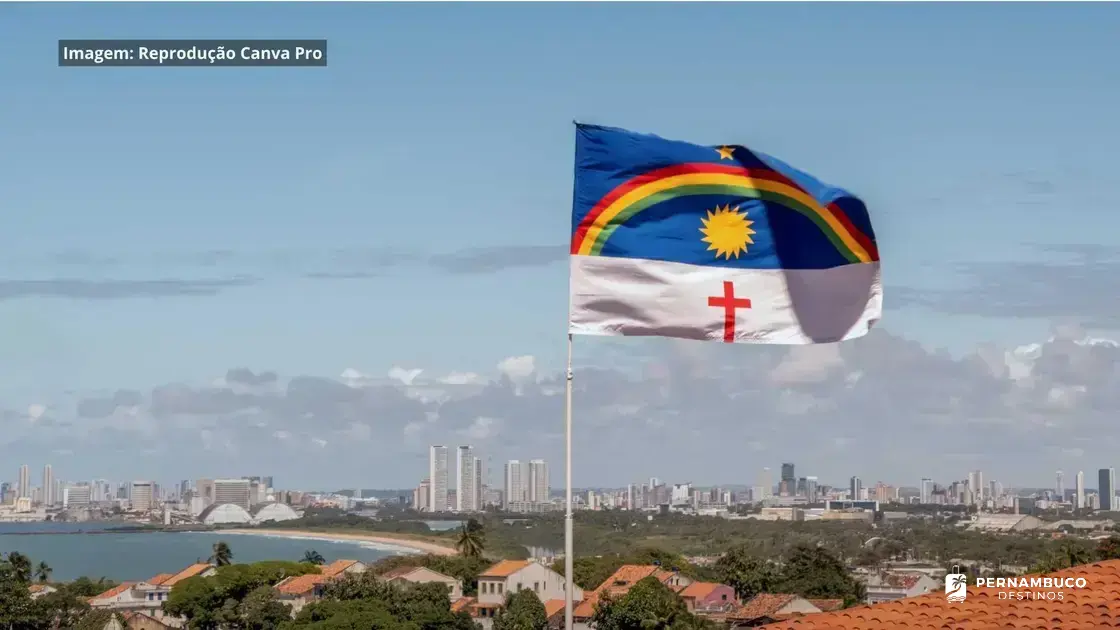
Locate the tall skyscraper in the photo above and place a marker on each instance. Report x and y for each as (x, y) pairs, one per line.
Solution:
(235, 491)
(517, 482)
(976, 485)
(855, 487)
(48, 486)
(479, 485)
(466, 488)
(1060, 486)
(539, 490)
(1106, 488)
(24, 489)
(1079, 490)
(925, 492)
(767, 484)
(421, 496)
(787, 472)
(437, 474)
(143, 496)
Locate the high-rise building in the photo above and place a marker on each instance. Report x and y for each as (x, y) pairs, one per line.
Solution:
(539, 490)
(517, 482)
(767, 484)
(142, 496)
(1060, 486)
(479, 485)
(233, 491)
(811, 489)
(204, 489)
(925, 492)
(976, 486)
(48, 486)
(787, 472)
(855, 487)
(1107, 488)
(420, 497)
(76, 496)
(437, 475)
(1079, 490)
(466, 490)
(24, 489)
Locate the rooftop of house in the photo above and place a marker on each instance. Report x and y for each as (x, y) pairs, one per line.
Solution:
(762, 605)
(1095, 607)
(116, 590)
(160, 579)
(461, 604)
(300, 584)
(188, 572)
(553, 606)
(619, 583)
(699, 590)
(336, 567)
(827, 605)
(505, 568)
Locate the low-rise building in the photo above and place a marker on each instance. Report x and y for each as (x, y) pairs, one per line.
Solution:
(709, 598)
(300, 590)
(891, 586)
(147, 596)
(510, 576)
(767, 608)
(620, 583)
(424, 575)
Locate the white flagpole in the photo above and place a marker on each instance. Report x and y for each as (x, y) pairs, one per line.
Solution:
(569, 584)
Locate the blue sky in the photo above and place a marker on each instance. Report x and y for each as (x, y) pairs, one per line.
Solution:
(971, 130)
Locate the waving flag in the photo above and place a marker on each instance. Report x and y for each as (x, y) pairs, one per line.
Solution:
(723, 243)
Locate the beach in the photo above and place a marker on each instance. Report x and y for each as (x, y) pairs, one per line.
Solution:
(385, 541)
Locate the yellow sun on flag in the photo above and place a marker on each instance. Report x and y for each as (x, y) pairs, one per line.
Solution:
(727, 231)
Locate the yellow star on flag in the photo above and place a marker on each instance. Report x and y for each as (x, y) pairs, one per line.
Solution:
(725, 152)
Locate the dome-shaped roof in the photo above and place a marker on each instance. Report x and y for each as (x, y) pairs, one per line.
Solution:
(225, 513)
(273, 512)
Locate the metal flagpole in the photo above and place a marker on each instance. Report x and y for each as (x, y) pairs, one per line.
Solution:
(569, 584)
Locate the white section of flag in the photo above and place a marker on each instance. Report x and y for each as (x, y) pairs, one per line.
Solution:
(635, 297)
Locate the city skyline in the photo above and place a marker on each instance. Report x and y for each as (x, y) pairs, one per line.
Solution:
(430, 313)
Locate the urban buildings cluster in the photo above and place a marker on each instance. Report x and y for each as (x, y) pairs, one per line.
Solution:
(525, 484)
(22, 500)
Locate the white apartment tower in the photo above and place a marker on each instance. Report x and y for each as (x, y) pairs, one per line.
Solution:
(539, 490)
(1079, 490)
(420, 497)
(478, 484)
(437, 476)
(142, 496)
(466, 490)
(24, 489)
(517, 482)
(235, 491)
(48, 486)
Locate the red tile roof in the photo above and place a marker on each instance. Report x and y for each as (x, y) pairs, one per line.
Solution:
(505, 568)
(762, 605)
(1095, 607)
(397, 572)
(188, 572)
(618, 584)
(827, 605)
(554, 606)
(160, 579)
(337, 567)
(461, 604)
(116, 590)
(699, 590)
(300, 584)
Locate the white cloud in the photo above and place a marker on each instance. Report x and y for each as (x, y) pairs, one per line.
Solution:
(36, 411)
(319, 442)
(518, 369)
(463, 378)
(481, 428)
(281, 435)
(405, 376)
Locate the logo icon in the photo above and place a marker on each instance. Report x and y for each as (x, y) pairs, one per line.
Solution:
(956, 586)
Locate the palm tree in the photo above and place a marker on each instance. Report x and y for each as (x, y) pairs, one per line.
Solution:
(43, 572)
(472, 539)
(313, 557)
(21, 566)
(222, 554)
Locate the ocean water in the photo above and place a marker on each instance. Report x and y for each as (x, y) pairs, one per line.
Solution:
(138, 556)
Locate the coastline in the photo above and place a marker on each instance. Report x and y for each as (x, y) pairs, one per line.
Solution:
(388, 541)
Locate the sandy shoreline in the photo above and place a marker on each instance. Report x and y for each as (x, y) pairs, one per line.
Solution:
(388, 541)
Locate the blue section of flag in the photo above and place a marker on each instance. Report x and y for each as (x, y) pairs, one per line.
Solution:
(607, 158)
